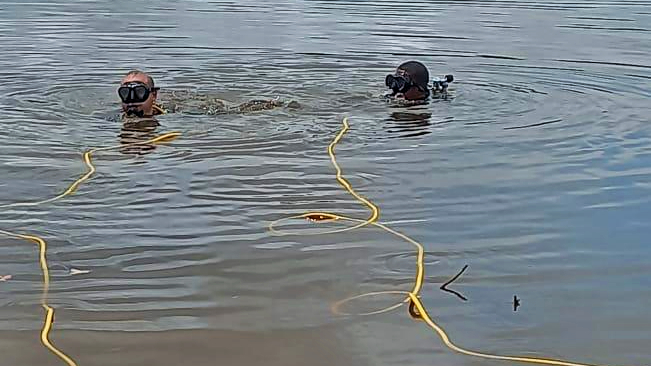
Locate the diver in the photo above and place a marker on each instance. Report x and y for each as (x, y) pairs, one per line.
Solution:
(410, 83)
(409, 96)
(138, 94)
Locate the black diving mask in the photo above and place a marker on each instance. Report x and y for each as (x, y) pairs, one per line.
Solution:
(401, 83)
(134, 92)
(398, 83)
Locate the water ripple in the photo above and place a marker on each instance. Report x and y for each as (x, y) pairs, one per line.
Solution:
(533, 170)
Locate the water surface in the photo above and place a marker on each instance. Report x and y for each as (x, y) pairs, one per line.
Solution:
(534, 172)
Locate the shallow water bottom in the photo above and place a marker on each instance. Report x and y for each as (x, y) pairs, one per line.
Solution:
(183, 347)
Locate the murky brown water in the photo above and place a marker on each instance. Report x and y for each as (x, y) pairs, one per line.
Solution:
(535, 173)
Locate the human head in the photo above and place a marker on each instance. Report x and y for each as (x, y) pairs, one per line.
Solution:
(409, 81)
(136, 107)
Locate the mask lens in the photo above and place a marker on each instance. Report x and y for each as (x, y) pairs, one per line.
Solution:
(397, 83)
(140, 93)
(401, 83)
(389, 81)
(123, 92)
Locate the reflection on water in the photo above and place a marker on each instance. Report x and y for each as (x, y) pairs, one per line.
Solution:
(534, 171)
(134, 133)
(409, 124)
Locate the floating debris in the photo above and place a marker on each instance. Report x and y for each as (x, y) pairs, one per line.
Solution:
(444, 286)
(516, 303)
(75, 271)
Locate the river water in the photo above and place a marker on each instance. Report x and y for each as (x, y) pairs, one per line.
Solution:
(535, 172)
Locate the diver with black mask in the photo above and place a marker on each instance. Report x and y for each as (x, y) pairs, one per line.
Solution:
(410, 83)
(138, 94)
(410, 93)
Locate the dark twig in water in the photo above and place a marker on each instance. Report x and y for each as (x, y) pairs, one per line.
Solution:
(444, 286)
(534, 125)
(516, 303)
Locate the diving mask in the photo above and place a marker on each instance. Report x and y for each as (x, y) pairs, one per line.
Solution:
(134, 92)
(399, 83)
